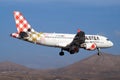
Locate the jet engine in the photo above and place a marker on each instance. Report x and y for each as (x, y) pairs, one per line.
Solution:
(90, 46)
(74, 49)
(23, 35)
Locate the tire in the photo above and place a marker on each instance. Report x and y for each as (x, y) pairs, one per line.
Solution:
(61, 53)
(72, 52)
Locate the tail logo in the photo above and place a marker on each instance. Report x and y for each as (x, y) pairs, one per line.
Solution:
(21, 22)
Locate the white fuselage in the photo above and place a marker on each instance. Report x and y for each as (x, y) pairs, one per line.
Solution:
(62, 40)
(67, 42)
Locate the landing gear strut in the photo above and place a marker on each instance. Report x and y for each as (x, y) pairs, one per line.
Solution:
(61, 53)
(98, 51)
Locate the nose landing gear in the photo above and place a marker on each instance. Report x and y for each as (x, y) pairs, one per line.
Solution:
(98, 51)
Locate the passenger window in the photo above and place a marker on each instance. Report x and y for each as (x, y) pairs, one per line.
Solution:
(98, 38)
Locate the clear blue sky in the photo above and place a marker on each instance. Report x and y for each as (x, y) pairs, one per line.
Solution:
(63, 16)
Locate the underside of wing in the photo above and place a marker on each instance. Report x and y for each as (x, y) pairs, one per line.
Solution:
(74, 46)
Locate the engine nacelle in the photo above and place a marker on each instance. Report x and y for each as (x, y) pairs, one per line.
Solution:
(90, 46)
(74, 49)
(23, 35)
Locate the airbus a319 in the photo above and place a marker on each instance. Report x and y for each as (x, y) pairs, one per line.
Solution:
(66, 42)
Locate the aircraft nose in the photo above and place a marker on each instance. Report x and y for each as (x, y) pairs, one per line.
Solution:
(111, 44)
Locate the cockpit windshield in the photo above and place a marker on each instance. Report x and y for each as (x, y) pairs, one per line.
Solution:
(107, 39)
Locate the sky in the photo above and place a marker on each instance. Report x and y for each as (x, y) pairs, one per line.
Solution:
(62, 16)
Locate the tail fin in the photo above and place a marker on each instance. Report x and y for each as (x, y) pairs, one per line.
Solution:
(21, 23)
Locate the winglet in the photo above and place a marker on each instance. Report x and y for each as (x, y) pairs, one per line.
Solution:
(78, 30)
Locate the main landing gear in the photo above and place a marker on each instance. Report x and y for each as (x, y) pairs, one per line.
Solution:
(61, 53)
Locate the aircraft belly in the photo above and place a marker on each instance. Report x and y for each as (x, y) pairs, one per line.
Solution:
(56, 42)
(49, 42)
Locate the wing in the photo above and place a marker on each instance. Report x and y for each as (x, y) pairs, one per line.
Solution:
(74, 46)
(78, 39)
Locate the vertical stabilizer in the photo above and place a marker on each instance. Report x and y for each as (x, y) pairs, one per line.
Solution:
(21, 23)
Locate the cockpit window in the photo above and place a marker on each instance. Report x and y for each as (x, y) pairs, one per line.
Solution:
(107, 39)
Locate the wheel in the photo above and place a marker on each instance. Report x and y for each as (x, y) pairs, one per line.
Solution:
(72, 52)
(98, 54)
(61, 53)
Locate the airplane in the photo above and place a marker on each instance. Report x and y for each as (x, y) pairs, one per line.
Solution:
(66, 42)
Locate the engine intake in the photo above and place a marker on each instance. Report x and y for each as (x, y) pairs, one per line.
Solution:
(23, 34)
